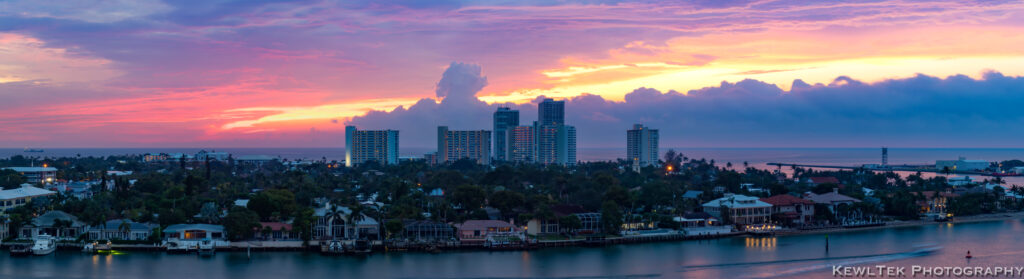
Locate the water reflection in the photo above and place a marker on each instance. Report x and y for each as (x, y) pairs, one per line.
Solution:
(765, 243)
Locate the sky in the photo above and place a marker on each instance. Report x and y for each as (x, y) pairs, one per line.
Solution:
(706, 73)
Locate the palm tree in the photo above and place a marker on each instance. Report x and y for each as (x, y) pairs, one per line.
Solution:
(124, 228)
(354, 217)
(333, 214)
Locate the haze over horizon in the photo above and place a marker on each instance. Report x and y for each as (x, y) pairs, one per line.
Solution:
(706, 74)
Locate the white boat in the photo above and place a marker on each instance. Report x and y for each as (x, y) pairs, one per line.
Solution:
(44, 245)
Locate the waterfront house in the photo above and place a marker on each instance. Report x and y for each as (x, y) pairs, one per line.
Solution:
(831, 199)
(337, 222)
(478, 231)
(590, 222)
(425, 231)
(742, 210)
(695, 219)
(190, 235)
(934, 202)
(122, 229)
(700, 223)
(793, 209)
(276, 231)
(56, 223)
(20, 196)
(36, 175)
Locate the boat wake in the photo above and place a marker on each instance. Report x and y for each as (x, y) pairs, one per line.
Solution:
(827, 262)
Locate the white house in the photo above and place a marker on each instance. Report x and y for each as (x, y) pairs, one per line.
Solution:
(335, 222)
(17, 197)
(190, 235)
(743, 210)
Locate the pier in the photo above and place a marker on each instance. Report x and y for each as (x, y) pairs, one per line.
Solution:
(907, 168)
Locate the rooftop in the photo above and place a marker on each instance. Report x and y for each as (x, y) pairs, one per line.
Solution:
(24, 191)
(31, 169)
(737, 201)
(786, 200)
(184, 227)
(475, 225)
(830, 198)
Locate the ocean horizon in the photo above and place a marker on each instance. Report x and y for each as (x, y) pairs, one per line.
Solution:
(735, 155)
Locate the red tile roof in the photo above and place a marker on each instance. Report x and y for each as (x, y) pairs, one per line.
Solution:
(785, 200)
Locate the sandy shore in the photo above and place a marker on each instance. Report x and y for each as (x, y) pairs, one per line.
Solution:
(898, 224)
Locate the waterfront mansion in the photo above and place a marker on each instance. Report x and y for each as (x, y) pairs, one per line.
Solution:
(742, 210)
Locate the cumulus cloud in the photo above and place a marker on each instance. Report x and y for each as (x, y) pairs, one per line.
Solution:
(921, 111)
(461, 81)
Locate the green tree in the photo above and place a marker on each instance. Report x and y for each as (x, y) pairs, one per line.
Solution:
(266, 203)
(394, 227)
(506, 201)
(10, 179)
(611, 218)
(470, 197)
(240, 223)
(570, 223)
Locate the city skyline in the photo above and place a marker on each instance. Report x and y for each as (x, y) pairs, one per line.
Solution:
(706, 74)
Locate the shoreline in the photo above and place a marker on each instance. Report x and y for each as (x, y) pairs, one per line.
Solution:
(627, 240)
(914, 223)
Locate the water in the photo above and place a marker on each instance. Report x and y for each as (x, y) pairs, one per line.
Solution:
(804, 256)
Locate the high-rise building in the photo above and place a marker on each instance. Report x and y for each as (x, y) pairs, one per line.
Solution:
(370, 145)
(520, 140)
(455, 145)
(567, 145)
(642, 146)
(547, 141)
(504, 119)
(555, 144)
(551, 112)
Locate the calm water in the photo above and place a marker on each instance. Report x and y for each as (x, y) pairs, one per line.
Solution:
(992, 243)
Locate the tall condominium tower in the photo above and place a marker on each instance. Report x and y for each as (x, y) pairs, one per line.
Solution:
(520, 141)
(455, 145)
(370, 145)
(504, 119)
(555, 144)
(551, 112)
(642, 146)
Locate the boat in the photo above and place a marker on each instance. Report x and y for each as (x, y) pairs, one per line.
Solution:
(99, 248)
(969, 255)
(44, 245)
(33, 150)
(334, 247)
(176, 247)
(21, 250)
(207, 248)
